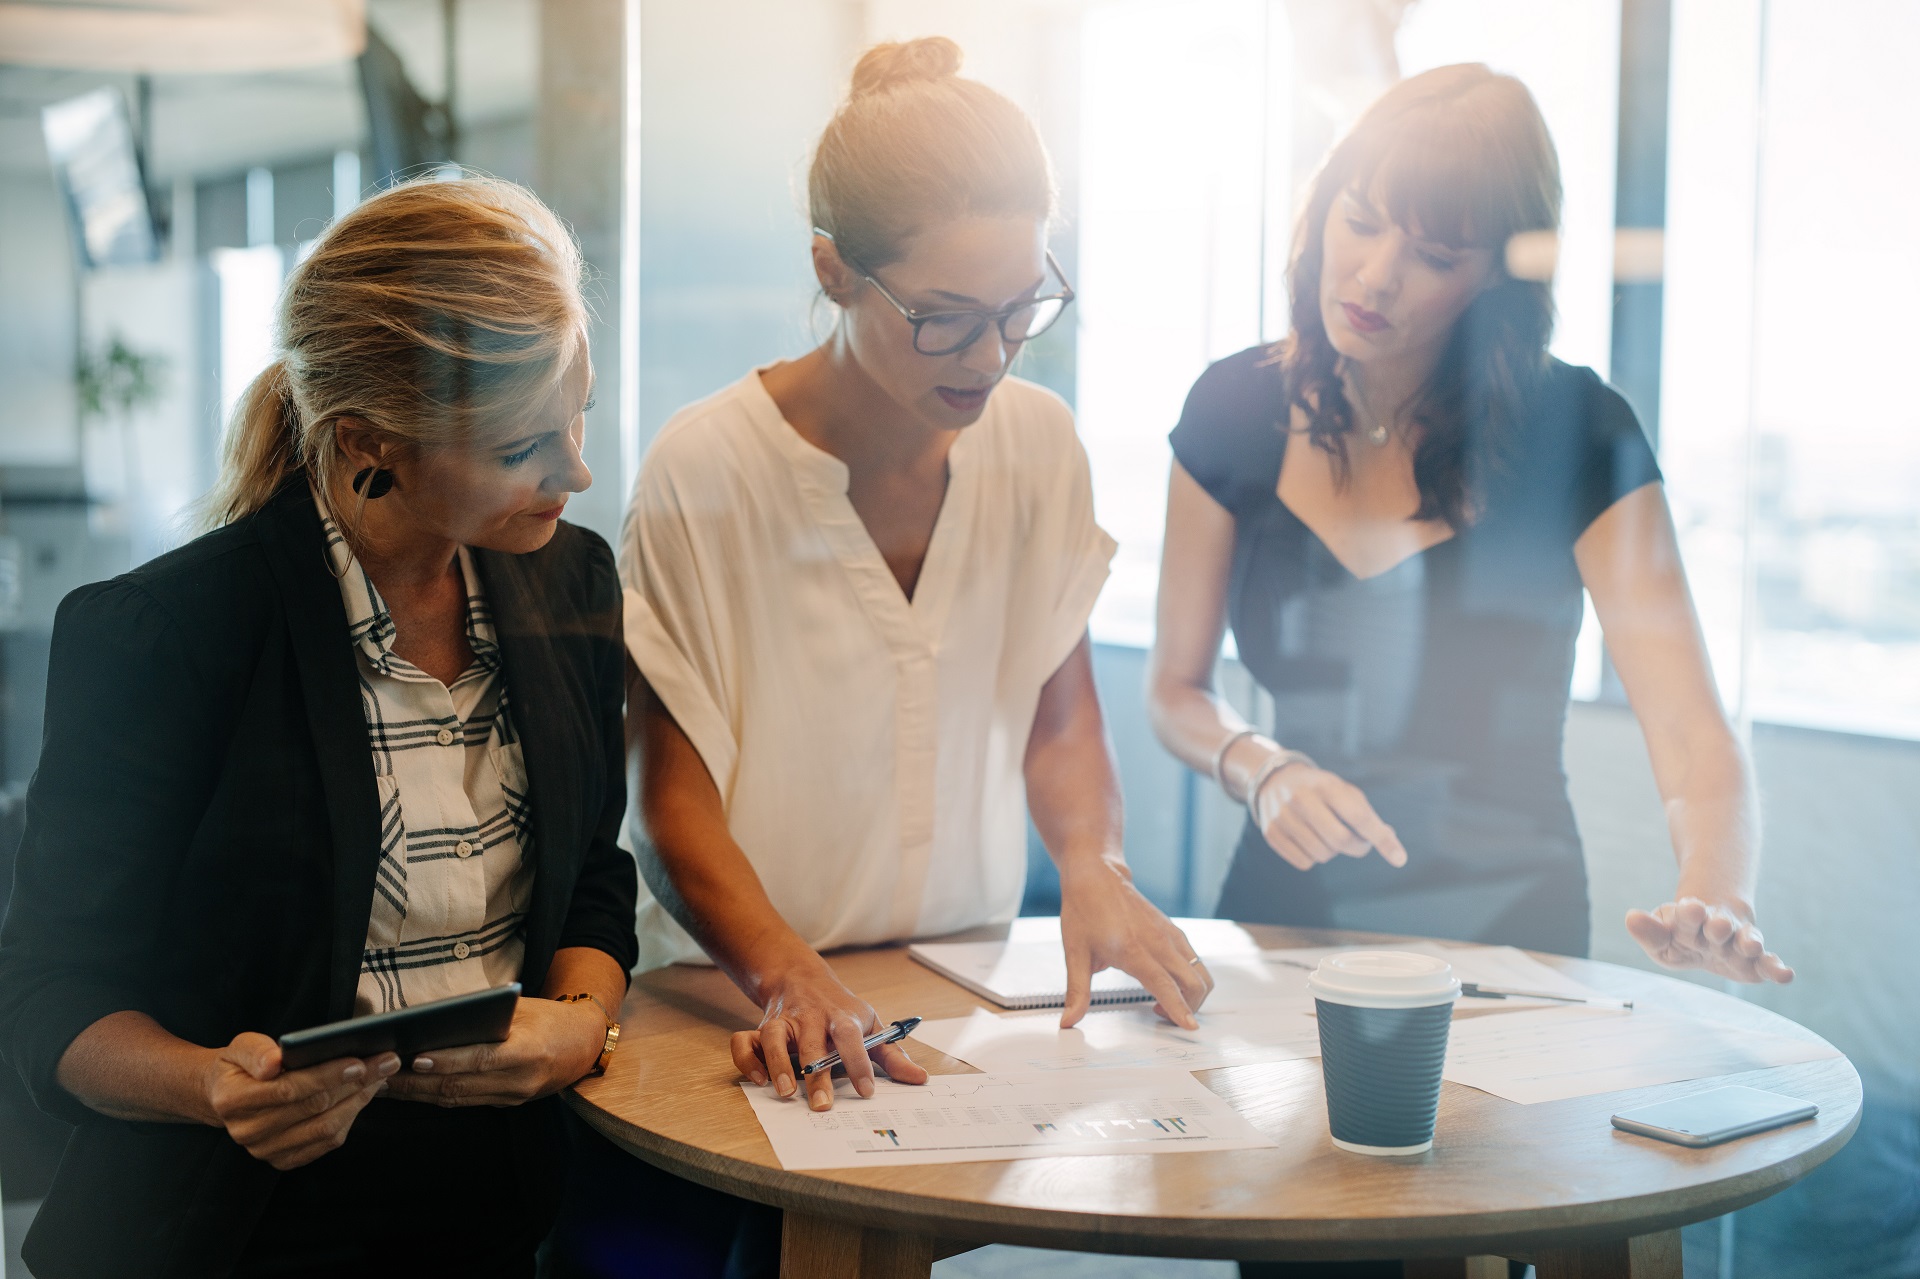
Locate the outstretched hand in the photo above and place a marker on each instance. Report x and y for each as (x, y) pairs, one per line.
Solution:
(1105, 922)
(1721, 939)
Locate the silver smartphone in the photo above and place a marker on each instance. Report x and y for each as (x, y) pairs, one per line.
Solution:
(1709, 1118)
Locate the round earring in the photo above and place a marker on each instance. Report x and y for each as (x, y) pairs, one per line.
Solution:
(378, 482)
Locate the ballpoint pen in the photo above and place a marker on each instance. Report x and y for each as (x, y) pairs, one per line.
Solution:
(889, 1035)
(1474, 990)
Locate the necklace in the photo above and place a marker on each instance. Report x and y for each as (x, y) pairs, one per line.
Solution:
(1380, 431)
(1376, 433)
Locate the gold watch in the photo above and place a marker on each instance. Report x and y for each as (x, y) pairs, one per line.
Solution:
(613, 1030)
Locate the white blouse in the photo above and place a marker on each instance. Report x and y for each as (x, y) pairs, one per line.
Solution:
(868, 748)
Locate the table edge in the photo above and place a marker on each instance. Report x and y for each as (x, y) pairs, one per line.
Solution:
(1234, 1238)
(1507, 1232)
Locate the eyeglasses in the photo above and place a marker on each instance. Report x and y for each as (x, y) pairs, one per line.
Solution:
(945, 332)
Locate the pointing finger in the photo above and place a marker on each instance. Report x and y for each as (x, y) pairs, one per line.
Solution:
(1079, 985)
(1356, 812)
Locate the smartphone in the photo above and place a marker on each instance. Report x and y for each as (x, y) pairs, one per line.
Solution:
(1709, 1118)
(480, 1018)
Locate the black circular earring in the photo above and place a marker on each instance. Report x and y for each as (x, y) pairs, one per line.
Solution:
(378, 482)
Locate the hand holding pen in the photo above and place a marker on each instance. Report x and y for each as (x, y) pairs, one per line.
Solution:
(893, 1034)
(809, 1014)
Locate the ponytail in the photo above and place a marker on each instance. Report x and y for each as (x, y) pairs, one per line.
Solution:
(261, 451)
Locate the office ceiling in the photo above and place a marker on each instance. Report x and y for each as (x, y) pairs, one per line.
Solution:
(207, 124)
(181, 36)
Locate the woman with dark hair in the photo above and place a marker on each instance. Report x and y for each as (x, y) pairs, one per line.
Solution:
(357, 748)
(1398, 507)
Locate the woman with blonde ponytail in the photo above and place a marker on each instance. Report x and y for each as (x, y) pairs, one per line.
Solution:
(355, 749)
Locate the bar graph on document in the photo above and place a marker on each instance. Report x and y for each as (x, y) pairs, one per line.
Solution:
(967, 1118)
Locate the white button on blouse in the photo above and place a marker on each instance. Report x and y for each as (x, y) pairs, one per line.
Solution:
(867, 747)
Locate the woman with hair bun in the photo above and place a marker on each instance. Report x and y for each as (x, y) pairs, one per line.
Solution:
(857, 590)
(356, 749)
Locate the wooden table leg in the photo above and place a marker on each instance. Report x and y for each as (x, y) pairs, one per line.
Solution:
(821, 1248)
(1642, 1257)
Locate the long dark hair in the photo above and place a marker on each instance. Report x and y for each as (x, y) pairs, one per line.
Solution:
(1462, 156)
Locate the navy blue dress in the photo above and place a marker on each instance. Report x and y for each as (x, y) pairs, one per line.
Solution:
(1440, 686)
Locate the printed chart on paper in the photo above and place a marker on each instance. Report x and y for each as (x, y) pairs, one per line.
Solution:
(968, 1118)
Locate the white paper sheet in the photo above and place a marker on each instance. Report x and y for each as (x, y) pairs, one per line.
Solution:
(1502, 966)
(1549, 1054)
(1123, 1038)
(1260, 1010)
(968, 1118)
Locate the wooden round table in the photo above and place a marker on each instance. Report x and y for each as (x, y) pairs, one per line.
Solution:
(1551, 1183)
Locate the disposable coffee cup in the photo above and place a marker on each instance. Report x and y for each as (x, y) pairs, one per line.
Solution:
(1383, 1018)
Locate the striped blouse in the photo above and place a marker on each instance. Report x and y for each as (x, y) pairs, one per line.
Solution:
(456, 867)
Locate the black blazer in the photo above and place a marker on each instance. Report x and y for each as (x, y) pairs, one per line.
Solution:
(202, 833)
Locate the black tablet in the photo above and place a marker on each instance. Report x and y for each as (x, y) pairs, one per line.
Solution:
(479, 1018)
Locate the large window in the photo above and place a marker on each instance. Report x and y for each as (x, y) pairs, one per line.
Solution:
(1789, 441)
(1789, 433)
(1201, 125)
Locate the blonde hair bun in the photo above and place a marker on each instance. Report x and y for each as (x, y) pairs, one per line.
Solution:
(886, 65)
(915, 144)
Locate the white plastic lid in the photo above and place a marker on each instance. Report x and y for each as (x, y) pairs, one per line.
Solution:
(1384, 979)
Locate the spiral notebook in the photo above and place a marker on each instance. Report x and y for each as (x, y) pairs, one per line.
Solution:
(1021, 974)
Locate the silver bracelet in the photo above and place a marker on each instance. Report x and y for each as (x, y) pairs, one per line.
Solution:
(1275, 762)
(1220, 756)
